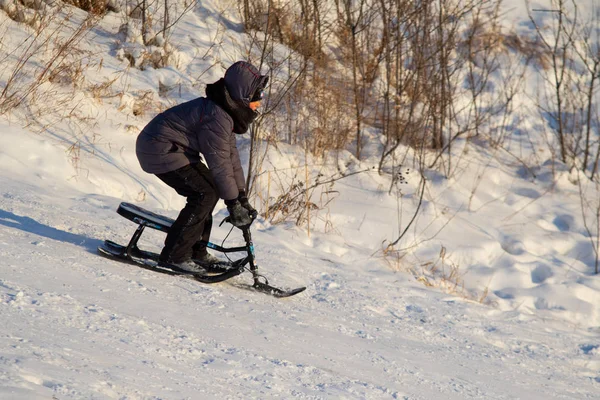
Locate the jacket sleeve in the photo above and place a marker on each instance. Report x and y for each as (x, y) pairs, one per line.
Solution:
(238, 172)
(215, 146)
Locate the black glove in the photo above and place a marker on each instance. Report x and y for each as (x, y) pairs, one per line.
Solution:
(243, 199)
(238, 215)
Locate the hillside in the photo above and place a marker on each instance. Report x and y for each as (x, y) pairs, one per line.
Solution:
(491, 293)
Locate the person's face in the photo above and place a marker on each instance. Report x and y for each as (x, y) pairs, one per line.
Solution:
(257, 98)
(254, 105)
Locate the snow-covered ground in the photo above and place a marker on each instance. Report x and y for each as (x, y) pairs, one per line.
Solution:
(494, 296)
(78, 326)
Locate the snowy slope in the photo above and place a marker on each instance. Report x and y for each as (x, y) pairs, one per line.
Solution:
(519, 318)
(78, 326)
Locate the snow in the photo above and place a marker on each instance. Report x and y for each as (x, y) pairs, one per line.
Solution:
(79, 326)
(490, 295)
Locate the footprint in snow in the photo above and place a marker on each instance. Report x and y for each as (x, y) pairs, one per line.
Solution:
(564, 222)
(512, 246)
(590, 349)
(541, 273)
(526, 192)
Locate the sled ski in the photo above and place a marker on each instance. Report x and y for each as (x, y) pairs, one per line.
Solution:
(276, 292)
(149, 260)
(219, 273)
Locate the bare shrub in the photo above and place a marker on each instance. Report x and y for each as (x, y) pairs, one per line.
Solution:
(96, 7)
(152, 56)
(295, 194)
(50, 54)
(324, 123)
(291, 204)
(590, 212)
(530, 47)
(144, 42)
(296, 24)
(27, 12)
(362, 54)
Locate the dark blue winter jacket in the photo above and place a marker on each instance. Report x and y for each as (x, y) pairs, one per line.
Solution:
(204, 127)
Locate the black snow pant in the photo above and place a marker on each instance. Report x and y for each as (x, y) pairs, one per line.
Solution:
(194, 223)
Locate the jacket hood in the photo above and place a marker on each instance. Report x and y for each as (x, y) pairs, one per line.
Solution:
(242, 115)
(242, 79)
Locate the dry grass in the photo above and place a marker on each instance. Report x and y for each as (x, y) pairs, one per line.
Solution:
(139, 103)
(493, 40)
(440, 273)
(292, 201)
(96, 7)
(294, 195)
(103, 90)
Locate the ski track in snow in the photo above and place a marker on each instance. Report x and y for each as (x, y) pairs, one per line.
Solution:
(79, 326)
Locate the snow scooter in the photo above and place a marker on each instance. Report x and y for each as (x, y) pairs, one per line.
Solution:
(149, 260)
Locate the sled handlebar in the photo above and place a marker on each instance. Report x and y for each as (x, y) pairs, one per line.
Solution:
(252, 215)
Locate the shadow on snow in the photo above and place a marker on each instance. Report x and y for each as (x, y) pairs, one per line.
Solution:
(30, 225)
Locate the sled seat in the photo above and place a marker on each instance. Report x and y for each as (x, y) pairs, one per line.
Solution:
(144, 217)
